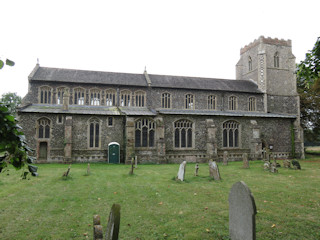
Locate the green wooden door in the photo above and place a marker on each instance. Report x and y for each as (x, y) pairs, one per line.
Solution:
(114, 152)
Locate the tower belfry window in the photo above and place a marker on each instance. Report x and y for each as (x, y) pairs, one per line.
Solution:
(250, 63)
(276, 60)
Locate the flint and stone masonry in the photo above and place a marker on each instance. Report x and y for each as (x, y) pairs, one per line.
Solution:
(72, 115)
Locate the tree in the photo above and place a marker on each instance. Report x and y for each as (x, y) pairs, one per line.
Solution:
(13, 147)
(8, 62)
(308, 84)
(12, 100)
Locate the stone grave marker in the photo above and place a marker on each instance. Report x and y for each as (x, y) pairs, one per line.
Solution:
(214, 170)
(97, 228)
(196, 169)
(113, 226)
(266, 166)
(182, 171)
(136, 161)
(245, 160)
(132, 166)
(88, 169)
(242, 211)
(286, 163)
(225, 158)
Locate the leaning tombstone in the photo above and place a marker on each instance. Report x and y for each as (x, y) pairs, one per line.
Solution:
(97, 228)
(242, 211)
(113, 226)
(196, 169)
(245, 160)
(296, 165)
(66, 174)
(182, 171)
(225, 158)
(214, 170)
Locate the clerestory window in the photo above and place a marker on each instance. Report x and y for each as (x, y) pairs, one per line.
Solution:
(125, 98)
(139, 98)
(45, 94)
(95, 97)
(189, 101)
(233, 103)
(111, 97)
(212, 102)
(79, 96)
(252, 104)
(166, 100)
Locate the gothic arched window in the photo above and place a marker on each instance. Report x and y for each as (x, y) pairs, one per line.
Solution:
(139, 98)
(233, 103)
(183, 134)
(125, 98)
(144, 133)
(60, 92)
(212, 102)
(252, 104)
(95, 97)
(189, 102)
(166, 100)
(231, 134)
(79, 96)
(94, 133)
(111, 97)
(43, 128)
(45, 94)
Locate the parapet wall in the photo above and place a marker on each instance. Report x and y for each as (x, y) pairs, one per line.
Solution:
(262, 39)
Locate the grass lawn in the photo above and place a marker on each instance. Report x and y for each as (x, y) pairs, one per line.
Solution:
(153, 205)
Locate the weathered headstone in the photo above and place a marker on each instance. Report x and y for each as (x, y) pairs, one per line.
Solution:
(266, 166)
(88, 169)
(214, 170)
(66, 174)
(286, 163)
(97, 228)
(136, 161)
(132, 166)
(225, 158)
(113, 226)
(245, 160)
(242, 211)
(273, 168)
(296, 165)
(196, 169)
(182, 171)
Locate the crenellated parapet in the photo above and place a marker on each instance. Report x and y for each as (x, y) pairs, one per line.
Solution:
(262, 39)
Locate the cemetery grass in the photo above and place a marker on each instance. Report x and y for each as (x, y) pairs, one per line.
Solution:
(154, 205)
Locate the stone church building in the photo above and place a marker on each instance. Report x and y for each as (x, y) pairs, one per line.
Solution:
(77, 115)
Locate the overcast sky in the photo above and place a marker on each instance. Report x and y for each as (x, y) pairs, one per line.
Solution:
(187, 38)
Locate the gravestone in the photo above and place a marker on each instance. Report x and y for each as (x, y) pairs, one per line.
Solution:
(113, 226)
(286, 163)
(245, 160)
(182, 170)
(266, 166)
(296, 165)
(88, 169)
(225, 158)
(66, 174)
(273, 169)
(214, 170)
(136, 161)
(242, 211)
(132, 166)
(196, 169)
(97, 228)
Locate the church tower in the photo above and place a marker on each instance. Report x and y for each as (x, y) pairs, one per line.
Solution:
(271, 65)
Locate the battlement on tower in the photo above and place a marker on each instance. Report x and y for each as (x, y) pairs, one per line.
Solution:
(262, 39)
